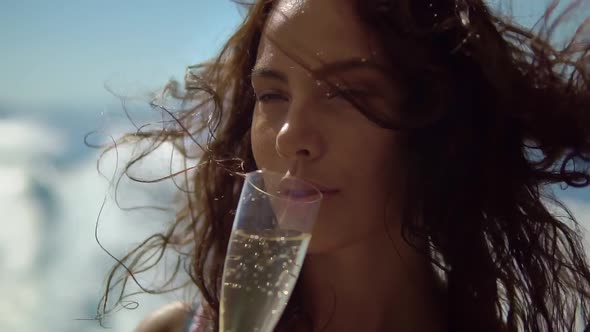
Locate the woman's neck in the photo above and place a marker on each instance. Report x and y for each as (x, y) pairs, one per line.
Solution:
(374, 285)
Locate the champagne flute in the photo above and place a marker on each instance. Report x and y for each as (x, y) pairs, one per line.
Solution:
(267, 246)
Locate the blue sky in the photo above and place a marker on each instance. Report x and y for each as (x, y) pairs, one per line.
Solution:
(63, 51)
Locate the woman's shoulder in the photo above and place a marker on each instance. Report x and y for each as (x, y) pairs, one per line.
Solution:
(169, 318)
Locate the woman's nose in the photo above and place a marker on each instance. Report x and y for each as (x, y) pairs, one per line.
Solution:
(299, 137)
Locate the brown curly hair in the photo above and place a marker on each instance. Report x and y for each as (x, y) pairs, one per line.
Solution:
(492, 116)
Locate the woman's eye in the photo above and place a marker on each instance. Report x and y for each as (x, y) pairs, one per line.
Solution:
(268, 97)
(343, 94)
(334, 94)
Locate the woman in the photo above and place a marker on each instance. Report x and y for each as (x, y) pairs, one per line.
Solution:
(434, 129)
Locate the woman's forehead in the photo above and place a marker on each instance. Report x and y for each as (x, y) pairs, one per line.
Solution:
(328, 29)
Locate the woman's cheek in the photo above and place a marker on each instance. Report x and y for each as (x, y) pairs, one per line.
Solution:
(263, 138)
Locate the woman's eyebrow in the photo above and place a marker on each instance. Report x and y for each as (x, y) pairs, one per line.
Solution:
(324, 71)
(264, 72)
(357, 63)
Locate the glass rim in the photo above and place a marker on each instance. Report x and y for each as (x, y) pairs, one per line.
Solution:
(262, 171)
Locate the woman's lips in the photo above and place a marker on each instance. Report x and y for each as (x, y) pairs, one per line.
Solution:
(303, 194)
(298, 193)
(289, 187)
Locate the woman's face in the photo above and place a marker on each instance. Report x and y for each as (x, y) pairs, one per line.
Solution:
(298, 126)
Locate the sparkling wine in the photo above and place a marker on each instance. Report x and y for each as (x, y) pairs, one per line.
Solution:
(259, 274)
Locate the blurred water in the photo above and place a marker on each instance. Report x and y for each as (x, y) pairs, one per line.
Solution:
(52, 269)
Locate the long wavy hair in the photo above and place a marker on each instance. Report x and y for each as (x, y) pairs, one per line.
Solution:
(493, 115)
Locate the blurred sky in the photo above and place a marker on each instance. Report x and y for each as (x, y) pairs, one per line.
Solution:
(63, 51)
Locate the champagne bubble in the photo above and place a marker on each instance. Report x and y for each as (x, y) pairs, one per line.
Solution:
(268, 272)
